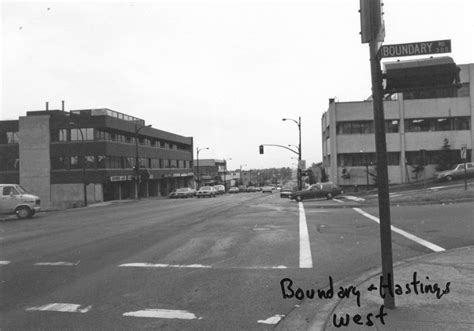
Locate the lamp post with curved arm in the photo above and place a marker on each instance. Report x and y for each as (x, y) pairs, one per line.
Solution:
(83, 164)
(197, 159)
(137, 163)
(298, 123)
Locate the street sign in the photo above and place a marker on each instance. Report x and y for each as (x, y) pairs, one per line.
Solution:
(418, 48)
(463, 151)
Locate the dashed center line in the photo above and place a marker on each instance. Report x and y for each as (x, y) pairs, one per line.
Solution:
(61, 307)
(4, 262)
(61, 263)
(161, 265)
(163, 313)
(410, 236)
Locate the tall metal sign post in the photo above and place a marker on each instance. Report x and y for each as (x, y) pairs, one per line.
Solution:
(373, 32)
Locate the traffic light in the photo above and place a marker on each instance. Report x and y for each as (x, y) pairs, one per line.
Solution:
(261, 149)
(412, 75)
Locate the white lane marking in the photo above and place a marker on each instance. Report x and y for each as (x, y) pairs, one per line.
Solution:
(306, 260)
(272, 320)
(410, 236)
(161, 265)
(61, 263)
(163, 313)
(61, 307)
(351, 197)
(337, 200)
(4, 262)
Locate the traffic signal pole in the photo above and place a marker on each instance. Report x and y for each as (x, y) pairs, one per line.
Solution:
(382, 176)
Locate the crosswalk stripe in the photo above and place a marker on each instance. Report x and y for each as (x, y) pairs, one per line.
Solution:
(61, 307)
(410, 236)
(163, 313)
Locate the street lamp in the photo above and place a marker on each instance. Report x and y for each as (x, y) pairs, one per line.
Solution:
(137, 163)
(298, 123)
(83, 164)
(242, 165)
(225, 171)
(197, 159)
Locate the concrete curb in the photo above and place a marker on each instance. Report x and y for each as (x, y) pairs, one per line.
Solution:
(296, 320)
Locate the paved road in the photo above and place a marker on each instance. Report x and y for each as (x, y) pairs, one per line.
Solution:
(195, 264)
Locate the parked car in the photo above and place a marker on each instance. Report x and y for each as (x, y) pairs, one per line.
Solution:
(14, 199)
(267, 189)
(220, 189)
(185, 192)
(457, 171)
(326, 190)
(242, 188)
(234, 189)
(206, 191)
(251, 189)
(287, 190)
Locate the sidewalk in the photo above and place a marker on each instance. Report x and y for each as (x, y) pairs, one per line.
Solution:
(452, 271)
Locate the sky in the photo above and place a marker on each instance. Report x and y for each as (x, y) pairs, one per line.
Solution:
(223, 72)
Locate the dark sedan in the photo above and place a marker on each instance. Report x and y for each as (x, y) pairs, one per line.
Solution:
(326, 190)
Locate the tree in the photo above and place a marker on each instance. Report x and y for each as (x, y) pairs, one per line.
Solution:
(445, 158)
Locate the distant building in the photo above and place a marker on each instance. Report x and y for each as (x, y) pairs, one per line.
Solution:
(210, 171)
(416, 124)
(46, 151)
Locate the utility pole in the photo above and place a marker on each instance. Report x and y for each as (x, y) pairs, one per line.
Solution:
(373, 32)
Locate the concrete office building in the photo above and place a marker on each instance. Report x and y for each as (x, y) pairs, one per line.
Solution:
(53, 152)
(416, 124)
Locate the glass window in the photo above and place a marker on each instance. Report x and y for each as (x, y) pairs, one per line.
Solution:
(417, 125)
(443, 124)
(366, 127)
(74, 162)
(100, 161)
(462, 123)
(391, 126)
(89, 161)
(59, 162)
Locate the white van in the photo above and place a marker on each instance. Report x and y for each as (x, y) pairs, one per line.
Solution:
(14, 199)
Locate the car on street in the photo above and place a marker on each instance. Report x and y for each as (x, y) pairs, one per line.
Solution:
(267, 189)
(251, 189)
(326, 190)
(457, 171)
(185, 192)
(287, 190)
(234, 189)
(206, 191)
(14, 199)
(220, 189)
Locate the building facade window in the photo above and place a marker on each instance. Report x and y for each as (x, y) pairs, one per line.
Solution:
(59, 162)
(74, 162)
(355, 127)
(391, 126)
(438, 124)
(9, 137)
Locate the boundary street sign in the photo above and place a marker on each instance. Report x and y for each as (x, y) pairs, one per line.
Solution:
(418, 48)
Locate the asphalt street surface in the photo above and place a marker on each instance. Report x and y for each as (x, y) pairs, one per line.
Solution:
(196, 264)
